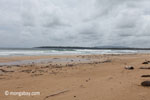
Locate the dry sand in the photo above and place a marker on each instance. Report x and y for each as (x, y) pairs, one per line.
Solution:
(103, 78)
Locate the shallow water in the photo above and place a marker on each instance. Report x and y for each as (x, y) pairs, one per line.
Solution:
(49, 60)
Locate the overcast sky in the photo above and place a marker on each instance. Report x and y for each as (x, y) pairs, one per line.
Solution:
(29, 23)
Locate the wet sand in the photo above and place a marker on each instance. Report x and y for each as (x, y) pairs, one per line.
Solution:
(75, 77)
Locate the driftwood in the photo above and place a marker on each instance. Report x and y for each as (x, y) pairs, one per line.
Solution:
(55, 94)
(144, 67)
(145, 76)
(5, 71)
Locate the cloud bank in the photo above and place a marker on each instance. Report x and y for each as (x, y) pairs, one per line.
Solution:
(29, 23)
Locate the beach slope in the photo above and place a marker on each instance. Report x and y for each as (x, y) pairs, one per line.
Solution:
(80, 77)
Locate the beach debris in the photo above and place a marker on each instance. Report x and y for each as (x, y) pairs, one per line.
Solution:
(146, 62)
(55, 94)
(70, 65)
(36, 75)
(106, 61)
(88, 80)
(55, 58)
(129, 67)
(145, 76)
(82, 86)
(41, 71)
(1, 70)
(2, 78)
(27, 71)
(144, 67)
(46, 66)
(57, 66)
(146, 83)
(5, 71)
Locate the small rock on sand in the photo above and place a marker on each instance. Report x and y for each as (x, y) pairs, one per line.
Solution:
(146, 62)
(129, 67)
(146, 83)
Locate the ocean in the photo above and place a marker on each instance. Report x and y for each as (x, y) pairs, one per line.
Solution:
(42, 51)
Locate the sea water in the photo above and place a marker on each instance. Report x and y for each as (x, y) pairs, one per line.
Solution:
(40, 51)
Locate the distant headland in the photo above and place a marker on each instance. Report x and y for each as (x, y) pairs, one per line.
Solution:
(98, 47)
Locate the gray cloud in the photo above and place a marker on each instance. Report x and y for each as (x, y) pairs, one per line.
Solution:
(29, 23)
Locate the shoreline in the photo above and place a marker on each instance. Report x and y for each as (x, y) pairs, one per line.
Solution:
(100, 77)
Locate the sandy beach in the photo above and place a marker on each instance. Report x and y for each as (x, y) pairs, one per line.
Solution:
(75, 77)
